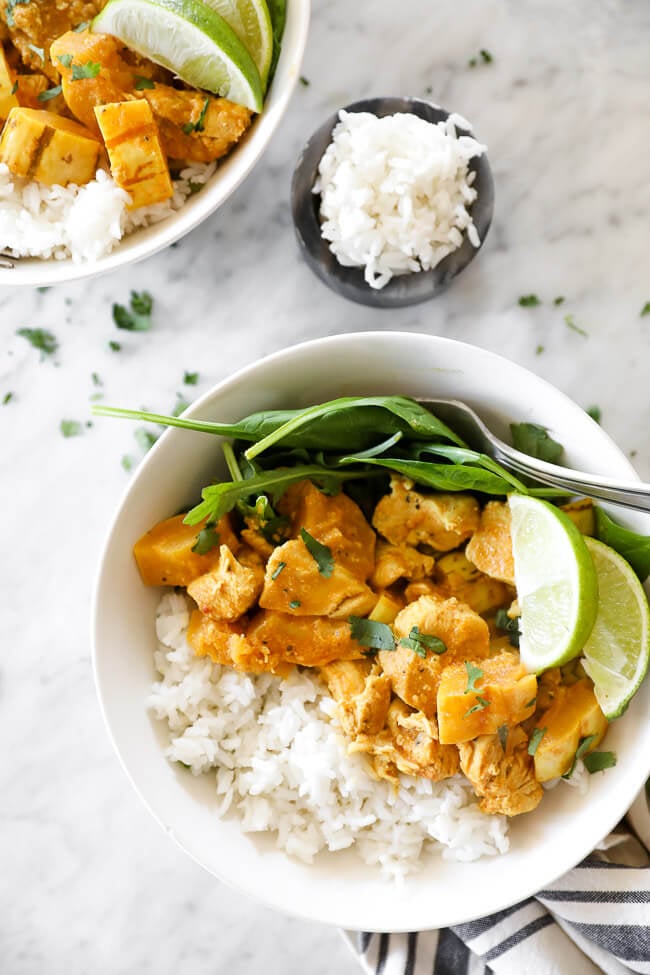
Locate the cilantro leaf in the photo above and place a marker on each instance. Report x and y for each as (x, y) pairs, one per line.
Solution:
(599, 761)
(206, 540)
(96, 379)
(114, 346)
(145, 439)
(321, 554)
(138, 319)
(480, 705)
(583, 745)
(84, 25)
(535, 441)
(71, 428)
(370, 633)
(38, 51)
(142, 83)
(421, 642)
(278, 569)
(529, 301)
(530, 703)
(41, 339)
(46, 96)
(502, 732)
(65, 60)
(190, 378)
(473, 674)
(88, 70)
(7, 398)
(486, 56)
(199, 125)
(304, 81)
(570, 322)
(535, 739)
(294, 604)
(559, 300)
(645, 310)
(595, 413)
(127, 462)
(510, 626)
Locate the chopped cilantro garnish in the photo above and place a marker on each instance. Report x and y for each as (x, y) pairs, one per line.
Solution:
(114, 346)
(14, 88)
(535, 739)
(46, 96)
(138, 319)
(559, 300)
(595, 413)
(71, 428)
(206, 540)
(43, 289)
(486, 56)
(321, 554)
(304, 81)
(278, 569)
(294, 604)
(503, 735)
(9, 10)
(370, 633)
(142, 83)
(421, 642)
(530, 703)
(199, 125)
(127, 462)
(41, 339)
(84, 25)
(144, 438)
(7, 398)
(65, 60)
(472, 62)
(181, 405)
(38, 51)
(88, 70)
(190, 378)
(473, 674)
(599, 761)
(580, 751)
(480, 705)
(645, 310)
(529, 301)
(510, 626)
(96, 379)
(539, 349)
(569, 321)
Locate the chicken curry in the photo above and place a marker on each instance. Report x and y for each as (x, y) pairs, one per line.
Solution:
(409, 617)
(72, 101)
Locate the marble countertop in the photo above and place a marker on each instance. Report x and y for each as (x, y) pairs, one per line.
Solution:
(89, 881)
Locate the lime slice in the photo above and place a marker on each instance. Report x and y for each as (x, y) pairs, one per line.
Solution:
(618, 649)
(251, 22)
(189, 39)
(556, 582)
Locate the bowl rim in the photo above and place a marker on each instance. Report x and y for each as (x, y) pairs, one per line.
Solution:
(581, 846)
(233, 169)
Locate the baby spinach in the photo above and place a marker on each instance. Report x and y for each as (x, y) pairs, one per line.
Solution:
(535, 441)
(444, 477)
(634, 548)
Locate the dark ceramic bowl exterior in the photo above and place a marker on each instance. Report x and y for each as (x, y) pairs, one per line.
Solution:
(405, 289)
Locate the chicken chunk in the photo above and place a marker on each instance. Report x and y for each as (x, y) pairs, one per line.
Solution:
(226, 643)
(8, 98)
(502, 776)
(490, 547)
(311, 641)
(457, 576)
(335, 521)
(500, 693)
(34, 25)
(195, 126)
(363, 695)
(393, 562)
(294, 584)
(442, 521)
(409, 744)
(230, 589)
(573, 716)
(114, 81)
(465, 635)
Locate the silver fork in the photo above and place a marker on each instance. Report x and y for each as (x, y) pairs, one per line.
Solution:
(469, 426)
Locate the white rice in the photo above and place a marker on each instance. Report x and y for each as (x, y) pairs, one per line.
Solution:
(395, 193)
(280, 763)
(84, 223)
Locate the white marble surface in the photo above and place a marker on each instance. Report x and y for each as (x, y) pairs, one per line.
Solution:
(88, 881)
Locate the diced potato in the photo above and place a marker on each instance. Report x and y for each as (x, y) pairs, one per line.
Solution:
(504, 684)
(138, 163)
(46, 147)
(164, 554)
(573, 715)
(582, 515)
(386, 609)
(8, 98)
(459, 577)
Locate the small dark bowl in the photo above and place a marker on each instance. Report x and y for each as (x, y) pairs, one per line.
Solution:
(404, 289)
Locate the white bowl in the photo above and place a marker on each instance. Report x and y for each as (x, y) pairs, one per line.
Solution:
(338, 888)
(230, 173)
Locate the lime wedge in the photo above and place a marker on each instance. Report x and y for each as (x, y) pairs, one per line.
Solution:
(190, 39)
(251, 22)
(618, 649)
(556, 582)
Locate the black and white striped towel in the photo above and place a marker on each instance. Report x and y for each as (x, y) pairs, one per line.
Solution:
(596, 918)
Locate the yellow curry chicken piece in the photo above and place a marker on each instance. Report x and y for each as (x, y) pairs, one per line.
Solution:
(231, 588)
(363, 693)
(502, 773)
(442, 521)
(490, 547)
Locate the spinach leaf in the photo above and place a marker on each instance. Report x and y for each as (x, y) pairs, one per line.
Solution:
(634, 548)
(535, 441)
(443, 477)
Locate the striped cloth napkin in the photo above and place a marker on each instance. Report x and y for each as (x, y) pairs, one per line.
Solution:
(596, 918)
